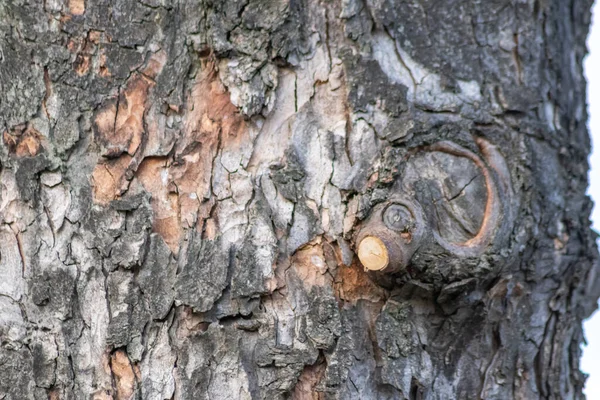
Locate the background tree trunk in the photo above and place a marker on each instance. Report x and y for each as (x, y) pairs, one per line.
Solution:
(182, 184)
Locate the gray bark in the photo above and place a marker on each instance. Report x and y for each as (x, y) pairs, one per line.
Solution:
(183, 186)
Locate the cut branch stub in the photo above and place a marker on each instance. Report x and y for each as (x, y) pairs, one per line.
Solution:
(390, 236)
(491, 215)
(445, 201)
(398, 218)
(373, 253)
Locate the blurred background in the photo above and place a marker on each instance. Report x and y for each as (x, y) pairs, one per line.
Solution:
(590, 362)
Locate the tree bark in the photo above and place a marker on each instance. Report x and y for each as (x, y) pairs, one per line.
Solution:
(184, 187)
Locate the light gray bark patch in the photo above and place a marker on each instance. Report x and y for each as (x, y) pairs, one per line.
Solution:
(289, 177)
(351, 371)
(409, 23)
(157, 278)
(210, 365)
(158, 369)
(54, 289)
(129, 249)
(255, 260)
(323, 321)
(203, 277)
(314, 149)
(404, 361)
(27, 171)
(121, 296)
(44, 352)
(102, 227)
(21, 88)
(11, 321)
(304, 228)
(16, 374)
(452, 192)
(12, 281)
(368, 86)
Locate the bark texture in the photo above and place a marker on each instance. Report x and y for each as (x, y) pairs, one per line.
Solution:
(183, 185)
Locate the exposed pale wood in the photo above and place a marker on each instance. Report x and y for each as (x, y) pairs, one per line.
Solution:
(373, 254)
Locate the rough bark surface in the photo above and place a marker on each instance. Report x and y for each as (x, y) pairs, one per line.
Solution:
(182, 184)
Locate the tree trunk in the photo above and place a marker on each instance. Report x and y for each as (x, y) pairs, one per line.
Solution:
(252, 199)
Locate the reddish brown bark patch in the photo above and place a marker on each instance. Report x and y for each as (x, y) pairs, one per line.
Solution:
(95, 36)
(119, 129)
(310, 266)
(352, 283)
(305, 389)
(153, 173)
(53, 394)
(101, 395)
(211, 121)
(179, 185)
(103, 70)
(23, 141)
(190, 323)
(124, 375)
(77, 7)
(119, 126)
(108, 179)
(212, 112)
(82, 64)
(155, 64)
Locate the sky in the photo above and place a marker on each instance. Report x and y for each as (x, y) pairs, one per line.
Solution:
(590, 363)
